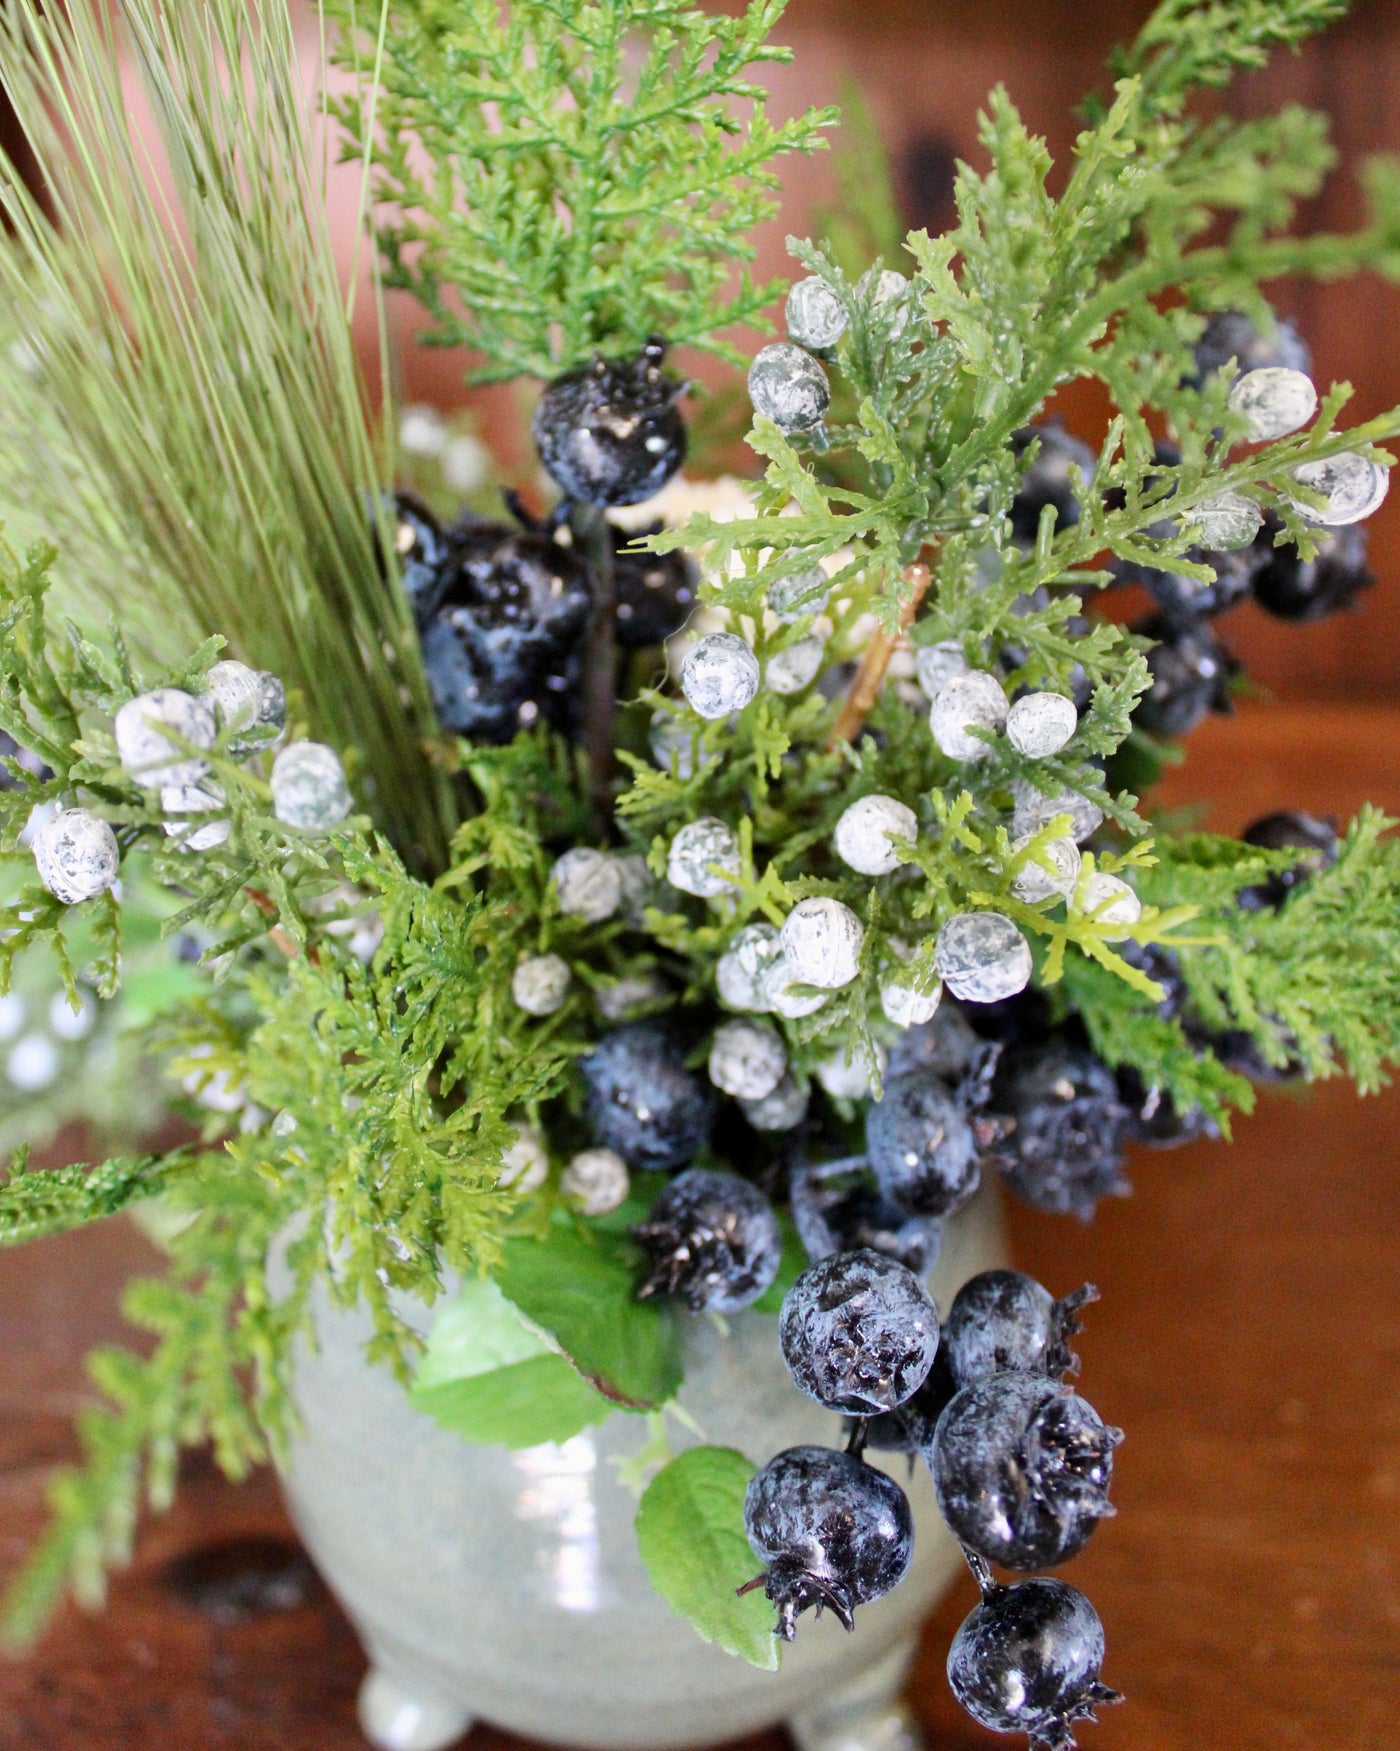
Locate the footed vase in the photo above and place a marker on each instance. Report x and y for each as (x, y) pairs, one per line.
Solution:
(506, 1586)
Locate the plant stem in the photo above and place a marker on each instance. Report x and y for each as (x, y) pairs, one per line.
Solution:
(591, 532)
(858, 702)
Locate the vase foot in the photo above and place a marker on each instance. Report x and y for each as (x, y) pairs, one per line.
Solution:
(402, 1714)
(869, 1715)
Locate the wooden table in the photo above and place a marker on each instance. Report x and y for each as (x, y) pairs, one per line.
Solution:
(1248, 1341)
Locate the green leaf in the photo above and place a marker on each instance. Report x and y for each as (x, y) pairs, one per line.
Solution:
(690, 1528)
(582, 1290)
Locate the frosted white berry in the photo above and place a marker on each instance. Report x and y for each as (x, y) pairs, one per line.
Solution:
(236, 693)
(787, 995)
(719, 675)
(792, 669)
(187, 800)
(983, 957)
(744, 965)
(800, 595)
(1032, 810)
(821, 941)
(1108, 900)
(1033, 883)
(588, 883)
(1227, 522)
(975, 700)
(308, 787)
(1039, 724)
(845, 1075)
(747, 1059)
(272, 709)
(937, 664)
(147, 753)
(890, 294)
(676, 746)
(540, 984)
(779, 1111)
(909, 999)
(1274, 401)
(864, 833)
(76, 855)
(815, 316)
(639, 887)
(596, 1182)
(1353, 487)
(525, 1164)
(621, 998)
(789, 387)
(704, 858)
(33, 1065)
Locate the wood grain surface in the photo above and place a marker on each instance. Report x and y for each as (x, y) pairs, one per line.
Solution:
(1248, 1341)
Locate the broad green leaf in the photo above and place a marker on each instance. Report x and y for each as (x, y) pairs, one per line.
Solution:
(690, 1528)
(582, 1290)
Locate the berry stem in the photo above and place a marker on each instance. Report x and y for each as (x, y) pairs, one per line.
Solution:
(981, 1570)
(591, 532)
(858, 702)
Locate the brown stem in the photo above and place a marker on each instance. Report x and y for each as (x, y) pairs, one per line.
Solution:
(858, 702)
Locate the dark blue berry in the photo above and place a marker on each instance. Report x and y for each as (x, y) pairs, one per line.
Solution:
(921, 1146)
(1046, 480)
(947, 1045)
(1027, 1660)
(1293, 588)
(1004, 1320)
(1184, 600)
(1067, 1127)
(23, 758)
(711, 1238)
(1230, 334)
(1154, 1118)
(1191, 672)
(643, 1099)
(1288, 830)
(859, 1332)
(909, 1427)
(1021, 1466)
(831, 1219)
(654, 592)
(610, 432)
(420, 549)
(832, 1532)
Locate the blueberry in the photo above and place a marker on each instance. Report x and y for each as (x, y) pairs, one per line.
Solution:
(610, 432)
(1004, 1320)
(909, 1427)
(1046, 480)
(1183, 599)
(1068, 1127)
(1191, 672)
(421, 549)
(1293, 588)
(831, 1530)
(1286, 830)
(1027, 1660)
(858, 1332)
(654, 592)
(920, 1144)
(30, 762)
(1021, 1466)
(713, 1239)
(1154, 1118)
(1230, 334)
(643, 1101)
(831, 1220)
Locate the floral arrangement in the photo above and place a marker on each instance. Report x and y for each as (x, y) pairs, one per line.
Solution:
(661, 900)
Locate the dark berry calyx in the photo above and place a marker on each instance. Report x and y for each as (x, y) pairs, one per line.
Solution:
(711, 1238)
(832, 1532)
(610, 432)
(859, 1332)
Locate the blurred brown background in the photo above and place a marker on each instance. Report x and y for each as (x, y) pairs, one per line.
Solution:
(1249, 1336)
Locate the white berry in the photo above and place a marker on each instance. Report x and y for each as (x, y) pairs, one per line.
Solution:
(906, 996)
(76, 855)
(1033, 883)
(719, 675)
(779, 1111)
(639, 886)
(588, 883)
(983, 957)
(1039, 724)
(704, 859)
(308, 787)
(1227, 522)
(525, 1164)
(815, 316)
(1274, 401)
(821, 941)
(800, 595)
(747, 1060)
(975, 700)
(145, 749)
(596, 1182)
(33, 1064)
(1033, 810)
(891, 288)
(743, 967)
(236, 692)
(789, 387)
(194, 799)
(540, 984)
(1108, 900)
(626, 994)
(937, 664)
(865, 831)
(1353, 487)
(676, 745)
(845, 1075)
(792, 669)
(789, 996)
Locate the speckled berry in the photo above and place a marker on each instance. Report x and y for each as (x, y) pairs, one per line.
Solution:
(742, 968)
(1033, 810)
(720, 675)
(982, 957)
(789, 387)
(610, 432)
(845, 1074)
(1227, 522)
(1055, 871)
(1005, 1320)
(938, 664)
(184, 804)
(1230, 334)
(619, 999)
(858, 1332)
(794, 667)
(75, 855)
(1287, 830)
(675, 746)
(974, 701)
(821, 941)
(1040, 724)
(643, 1098)
(308, 787)
(236, 692)
(587, 884)
(888, 293)
(540, 984)
(833, 1532)
(1046, 480)
(1108, 900)
(865, 833)
(1351, 486)
(800, 595)
(815, 316)
(704, 859)
(150, 756)
(595, 1182)
(1273, 401)
(711, 1238)
(1068, 1125)
(747, 1059)
(525, 1162)
(920, 1144)
(782, 1110)
(909, 999)
(787, 995)
(653, 593)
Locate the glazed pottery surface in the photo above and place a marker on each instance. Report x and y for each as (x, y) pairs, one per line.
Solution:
(507, 1586)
